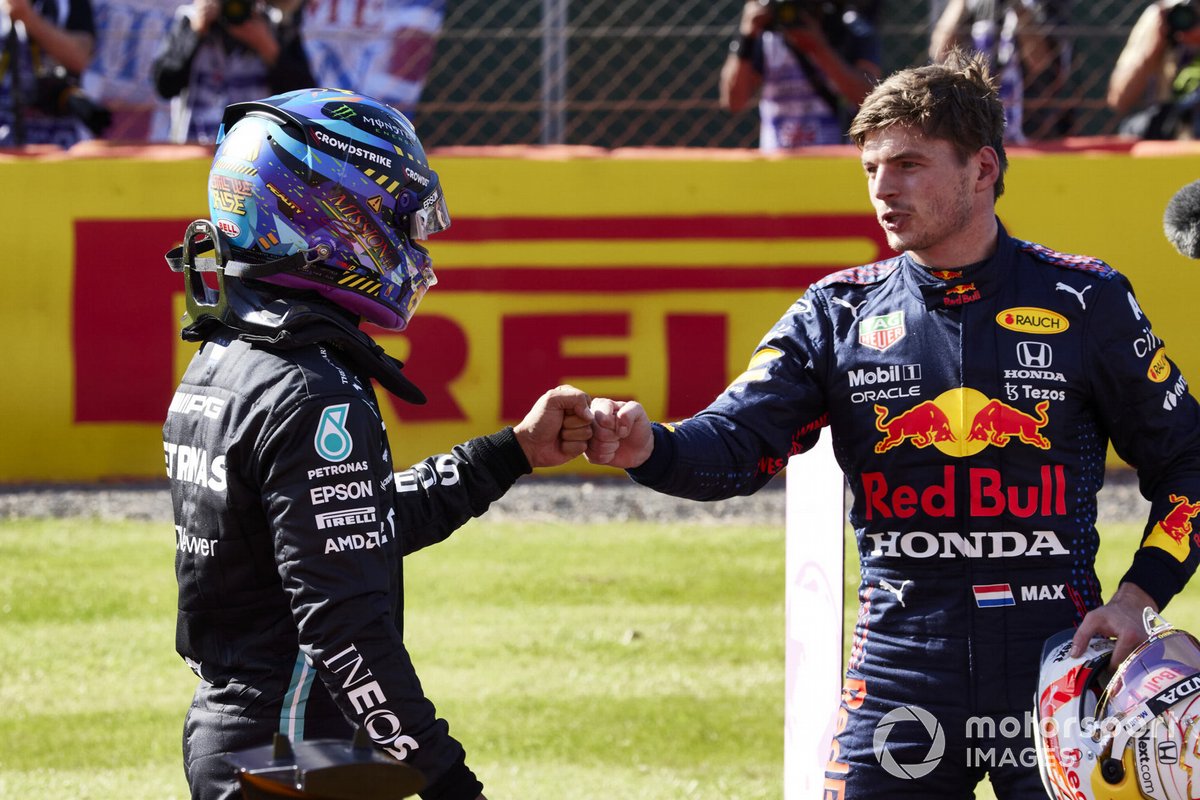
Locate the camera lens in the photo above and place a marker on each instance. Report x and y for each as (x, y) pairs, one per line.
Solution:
(236, 12)
(1181, 17)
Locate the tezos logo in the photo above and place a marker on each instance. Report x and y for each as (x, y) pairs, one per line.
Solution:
(333, 441)
(904, 715)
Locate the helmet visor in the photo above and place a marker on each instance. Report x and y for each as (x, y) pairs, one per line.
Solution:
(432, 218)
(1157, 665)
(407, 283)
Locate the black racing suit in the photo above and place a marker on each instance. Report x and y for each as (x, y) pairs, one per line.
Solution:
(291, 528)
(971, 413)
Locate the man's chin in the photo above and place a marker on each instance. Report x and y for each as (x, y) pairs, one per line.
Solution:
(897, 242)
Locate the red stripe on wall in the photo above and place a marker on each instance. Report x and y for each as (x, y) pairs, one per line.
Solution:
(124, 329)
(626, 278)
(814, 226)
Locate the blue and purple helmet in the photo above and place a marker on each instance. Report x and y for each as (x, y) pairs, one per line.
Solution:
(341, 177)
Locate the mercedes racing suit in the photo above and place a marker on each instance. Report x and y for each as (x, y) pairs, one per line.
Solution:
(290, 528)
(971, 412)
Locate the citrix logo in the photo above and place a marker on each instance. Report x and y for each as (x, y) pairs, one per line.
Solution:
(932, 728)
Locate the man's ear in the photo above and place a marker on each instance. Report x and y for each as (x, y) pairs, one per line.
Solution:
(989, 168)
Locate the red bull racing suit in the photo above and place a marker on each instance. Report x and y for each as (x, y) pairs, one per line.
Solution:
(291, 527)
(971, 412)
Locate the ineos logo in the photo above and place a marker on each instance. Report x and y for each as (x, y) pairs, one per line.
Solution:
(937, 742)
(1034, 355)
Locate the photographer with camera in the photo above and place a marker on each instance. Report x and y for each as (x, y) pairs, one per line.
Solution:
(812, 62)
(1156, 82)
(1024, 43)
(44, 46)
(220, 52)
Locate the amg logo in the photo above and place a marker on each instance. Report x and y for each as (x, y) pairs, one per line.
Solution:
(889, 374)
(186, 403)
(340, 519)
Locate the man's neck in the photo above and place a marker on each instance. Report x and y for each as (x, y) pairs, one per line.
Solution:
(971, 246)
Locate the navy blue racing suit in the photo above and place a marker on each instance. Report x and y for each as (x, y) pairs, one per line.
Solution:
(291, 528)
(971, 411)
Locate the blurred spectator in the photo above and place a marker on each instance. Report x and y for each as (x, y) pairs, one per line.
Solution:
(1158, 74)
(811, 62)
(46, 44)
(220, 52)
(1028, 52)
(129, 34)
(382, 49)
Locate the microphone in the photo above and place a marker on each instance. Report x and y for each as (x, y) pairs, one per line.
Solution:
(1181, 220)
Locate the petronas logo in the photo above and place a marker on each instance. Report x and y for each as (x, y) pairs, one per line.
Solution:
(333, 441)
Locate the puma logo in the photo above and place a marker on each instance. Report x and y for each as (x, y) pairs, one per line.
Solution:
(886, 585)
(1062, 287)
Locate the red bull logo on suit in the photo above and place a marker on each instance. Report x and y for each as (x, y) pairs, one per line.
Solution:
(1173, 532)
(962, 422)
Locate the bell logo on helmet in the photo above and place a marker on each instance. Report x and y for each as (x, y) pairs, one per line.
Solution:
(906, 716)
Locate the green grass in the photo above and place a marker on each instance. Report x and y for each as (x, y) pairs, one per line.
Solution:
(591, 661)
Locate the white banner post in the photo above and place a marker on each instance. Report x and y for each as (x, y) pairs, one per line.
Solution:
(816, 518)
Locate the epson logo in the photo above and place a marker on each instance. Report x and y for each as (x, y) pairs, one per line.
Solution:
(890, 374)
(355, 490)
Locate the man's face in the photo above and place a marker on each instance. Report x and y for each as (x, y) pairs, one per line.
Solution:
(924, 196)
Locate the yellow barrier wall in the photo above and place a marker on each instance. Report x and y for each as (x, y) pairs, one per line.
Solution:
(638, 275)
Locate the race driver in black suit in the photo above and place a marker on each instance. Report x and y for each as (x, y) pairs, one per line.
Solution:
(291, 521)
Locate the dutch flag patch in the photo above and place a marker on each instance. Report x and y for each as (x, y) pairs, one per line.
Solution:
(993, 595)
